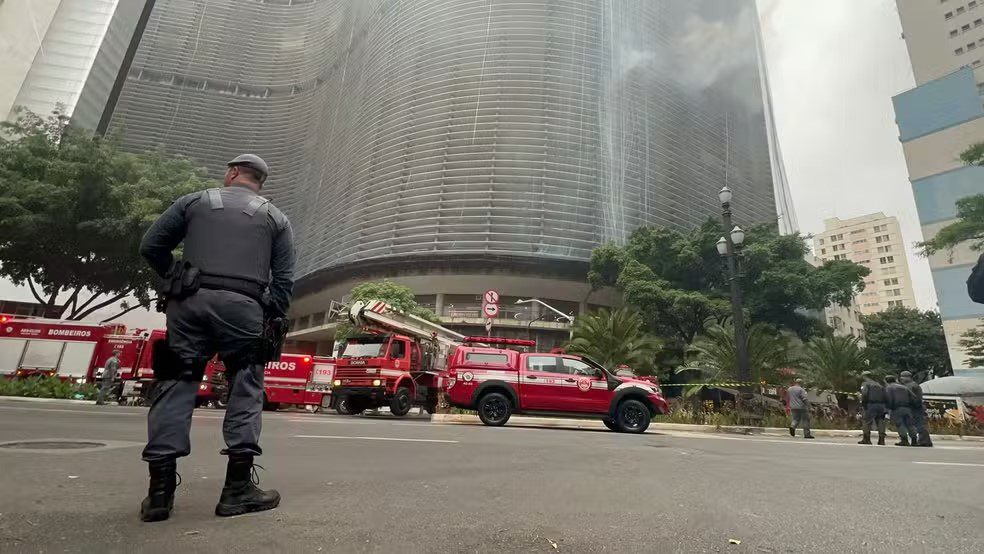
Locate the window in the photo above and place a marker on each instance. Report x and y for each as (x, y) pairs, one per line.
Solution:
(893, 303)
(840, 257)
(882, 249)
(948, 15)
(978, 22)
(839, 236)
(398, 350)
(882, 238)
(972, 4)
(961, 10)
(823, 250)
(577, 367)
(953, 33)
(965, 28)
(856, 231)
(821, 241)
(860, 241)
(887, 260)
(888, 271)
(958, 51)
(487, 358)
(543, 363)
(972, 46)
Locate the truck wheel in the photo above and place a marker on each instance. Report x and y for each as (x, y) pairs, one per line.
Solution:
(401, 403)
(494, 409)
(632, 416)
(610, 424)
(343, 405)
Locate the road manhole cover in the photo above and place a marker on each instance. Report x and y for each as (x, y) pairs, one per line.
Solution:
(51, 445)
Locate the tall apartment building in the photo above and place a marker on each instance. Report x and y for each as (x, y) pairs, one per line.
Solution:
(937, 120)
(69, 53)
(874, 241)
(457, 146)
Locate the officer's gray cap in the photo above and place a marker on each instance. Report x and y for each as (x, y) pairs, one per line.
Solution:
(866, 373)
(251, 161)
(905, 374)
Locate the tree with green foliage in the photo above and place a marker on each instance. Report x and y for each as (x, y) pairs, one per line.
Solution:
(972, 341)
(969, 225)
(906, 339)
(714, 354)
(835, 364)
(396, 295)
(676, 280)
(73, 208)
(615, 337)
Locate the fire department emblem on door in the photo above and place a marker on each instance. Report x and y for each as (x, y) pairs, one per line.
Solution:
(584, 384)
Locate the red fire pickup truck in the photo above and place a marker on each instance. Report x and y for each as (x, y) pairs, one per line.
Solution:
(499, 382)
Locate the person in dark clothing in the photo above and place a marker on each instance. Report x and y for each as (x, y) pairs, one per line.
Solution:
(241, 245)
(919, 423)
(799, 410)
(900, 403)
(873, 404)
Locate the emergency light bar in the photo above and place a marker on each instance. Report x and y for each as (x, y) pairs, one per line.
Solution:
(499, 340)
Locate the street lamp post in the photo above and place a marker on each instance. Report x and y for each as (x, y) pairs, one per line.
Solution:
(729, 246)
(568, 317)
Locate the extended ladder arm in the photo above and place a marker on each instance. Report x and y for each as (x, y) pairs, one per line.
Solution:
(376, 314)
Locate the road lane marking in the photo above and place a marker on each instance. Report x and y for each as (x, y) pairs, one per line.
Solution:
(791, 440)
(948, 464)
(397, 439)
(305, 420)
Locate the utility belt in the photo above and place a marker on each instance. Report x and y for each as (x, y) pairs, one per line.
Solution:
(184, 280)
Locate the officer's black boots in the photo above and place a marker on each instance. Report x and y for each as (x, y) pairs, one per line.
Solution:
(865, 440)
(903, 442)
(881, 441)
(240, 494)
(160, 496)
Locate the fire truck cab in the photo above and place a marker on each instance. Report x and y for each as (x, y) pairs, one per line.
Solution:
(498, 382)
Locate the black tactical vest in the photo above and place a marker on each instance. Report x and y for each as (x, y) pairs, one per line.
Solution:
(230, 233)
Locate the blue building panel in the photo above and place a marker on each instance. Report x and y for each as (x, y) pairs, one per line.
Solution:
(936, 195)
(951, 289)
(938, 104)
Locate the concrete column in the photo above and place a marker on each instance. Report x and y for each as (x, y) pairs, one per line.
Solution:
(439, 304)
(582, 308)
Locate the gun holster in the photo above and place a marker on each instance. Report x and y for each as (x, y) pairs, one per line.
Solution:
(181, 281)
(168, 366)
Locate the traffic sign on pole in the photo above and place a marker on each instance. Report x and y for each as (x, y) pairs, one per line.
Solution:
(490, 310)
(490, 297)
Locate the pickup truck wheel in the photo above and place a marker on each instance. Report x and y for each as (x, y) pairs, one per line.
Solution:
(494, 409)
(610, 424)
(632, 416)
(401, 403)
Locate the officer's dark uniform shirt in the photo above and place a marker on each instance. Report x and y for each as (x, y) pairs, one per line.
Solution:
(872, 392)
(231, 232)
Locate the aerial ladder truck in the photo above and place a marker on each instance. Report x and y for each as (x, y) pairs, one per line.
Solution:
(398, 363)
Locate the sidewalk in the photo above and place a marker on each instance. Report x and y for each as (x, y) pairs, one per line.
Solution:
(567, 423)
(66, 401)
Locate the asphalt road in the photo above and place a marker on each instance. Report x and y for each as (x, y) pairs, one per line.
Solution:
(354, 484)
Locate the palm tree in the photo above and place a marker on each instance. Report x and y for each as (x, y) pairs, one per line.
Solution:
(614, 337)
(717, 361)
(836, 363)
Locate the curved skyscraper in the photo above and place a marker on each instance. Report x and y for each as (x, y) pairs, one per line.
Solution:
(459, 145)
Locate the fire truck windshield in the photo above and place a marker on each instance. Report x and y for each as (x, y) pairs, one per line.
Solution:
(362, 349)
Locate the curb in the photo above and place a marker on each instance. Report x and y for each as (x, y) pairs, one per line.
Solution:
(48, 400)
(567, 423)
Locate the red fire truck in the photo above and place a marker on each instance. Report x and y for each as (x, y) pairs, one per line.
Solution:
(293, 380)
(67, 349)
(398, 365)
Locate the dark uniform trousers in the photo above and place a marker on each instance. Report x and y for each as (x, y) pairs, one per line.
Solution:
(874, 414)
(198, 327)
(902, 418)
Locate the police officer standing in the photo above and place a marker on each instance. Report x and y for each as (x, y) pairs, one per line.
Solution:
(900, 402)
(919, 423)
(235, 275)
(873, 403)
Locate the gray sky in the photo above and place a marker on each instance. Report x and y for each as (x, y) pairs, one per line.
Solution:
(834, 67)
